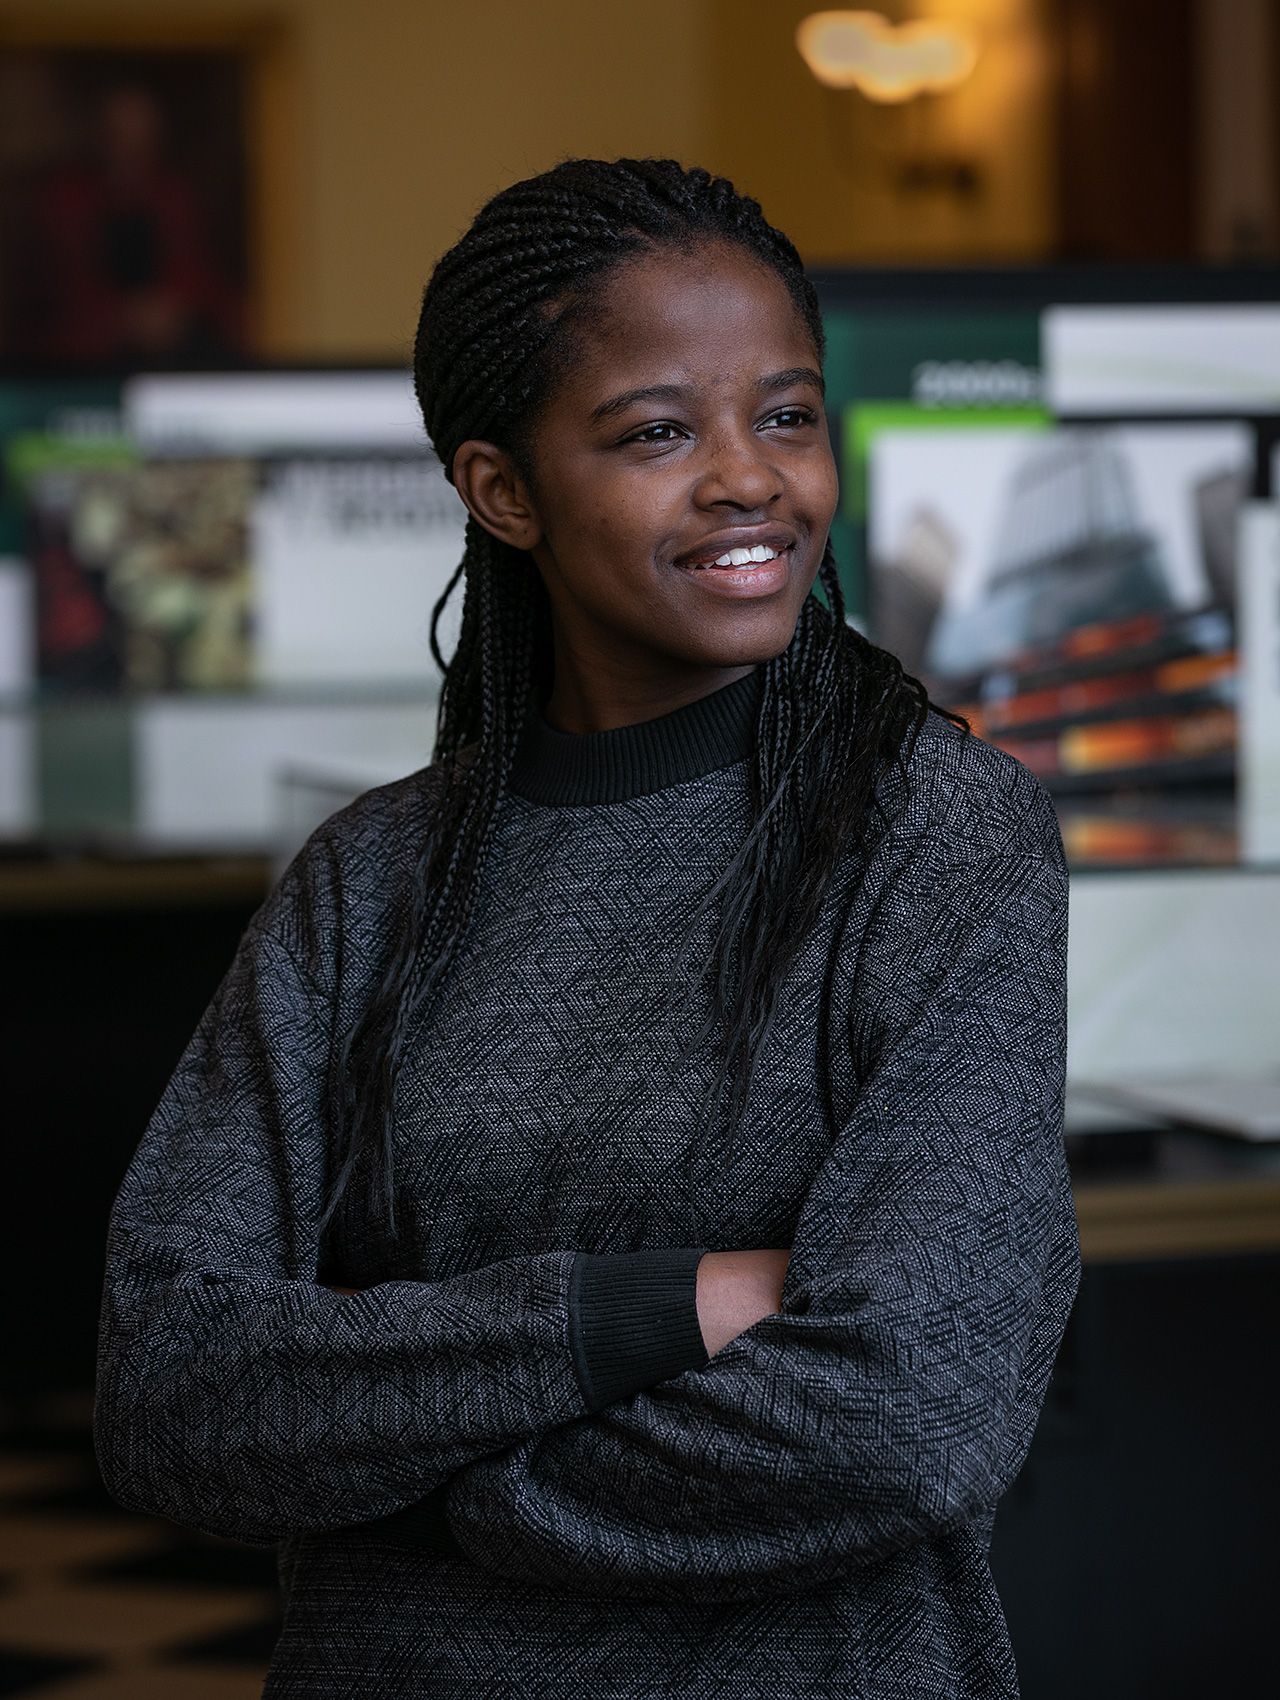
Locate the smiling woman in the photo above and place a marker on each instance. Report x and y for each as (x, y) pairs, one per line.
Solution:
(611, 1229)
(692, 435)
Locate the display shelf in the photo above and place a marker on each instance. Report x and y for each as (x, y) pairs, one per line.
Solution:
(1146, 1192)
(91, 882)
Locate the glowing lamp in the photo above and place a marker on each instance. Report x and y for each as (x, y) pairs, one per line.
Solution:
(884, 61)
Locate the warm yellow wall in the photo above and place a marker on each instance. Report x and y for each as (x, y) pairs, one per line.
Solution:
(413, 112)
(382, 124)
(821, 160)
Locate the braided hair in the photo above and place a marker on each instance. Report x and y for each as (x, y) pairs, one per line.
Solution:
(495, 337)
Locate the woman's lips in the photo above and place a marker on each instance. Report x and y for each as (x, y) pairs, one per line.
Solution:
(761, 578)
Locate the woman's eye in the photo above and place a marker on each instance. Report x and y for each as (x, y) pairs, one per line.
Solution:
(646, 434)
(791, 417)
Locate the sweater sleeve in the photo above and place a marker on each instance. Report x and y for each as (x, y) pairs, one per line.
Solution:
(935, 1260)
(237, 1395)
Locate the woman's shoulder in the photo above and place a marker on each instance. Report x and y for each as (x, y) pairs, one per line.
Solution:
(354, 874)
(974, 793)
(384, 826)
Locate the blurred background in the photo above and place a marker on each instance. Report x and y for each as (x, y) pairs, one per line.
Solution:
(1046, 237)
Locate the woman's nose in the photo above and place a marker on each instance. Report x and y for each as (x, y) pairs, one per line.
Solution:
(739, 470)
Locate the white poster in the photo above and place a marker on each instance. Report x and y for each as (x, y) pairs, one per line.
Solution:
(350, 556)
(1173, 973)
(1191, 359)
(17, 721)
(212, 774)
(254, 413)
(17, 627)
(18, 806)
(1259, 615)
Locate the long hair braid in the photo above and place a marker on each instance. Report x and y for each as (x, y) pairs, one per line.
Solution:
(495, 336)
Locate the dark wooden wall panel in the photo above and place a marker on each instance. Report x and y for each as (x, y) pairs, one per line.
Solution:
(1127, 94)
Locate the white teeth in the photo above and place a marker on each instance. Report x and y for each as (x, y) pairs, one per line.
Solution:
(746, 557)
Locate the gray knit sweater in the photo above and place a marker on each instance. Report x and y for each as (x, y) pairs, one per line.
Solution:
(506, 1467)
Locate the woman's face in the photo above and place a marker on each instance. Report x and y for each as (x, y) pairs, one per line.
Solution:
(690, 424)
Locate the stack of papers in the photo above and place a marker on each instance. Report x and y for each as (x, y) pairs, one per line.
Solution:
(1243, 1108)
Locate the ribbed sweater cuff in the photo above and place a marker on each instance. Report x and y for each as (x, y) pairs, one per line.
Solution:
(633, 1320)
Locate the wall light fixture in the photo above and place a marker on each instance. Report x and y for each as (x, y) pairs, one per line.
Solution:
(885, 61)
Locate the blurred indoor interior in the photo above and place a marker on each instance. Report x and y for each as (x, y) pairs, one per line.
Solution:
(1047, 246)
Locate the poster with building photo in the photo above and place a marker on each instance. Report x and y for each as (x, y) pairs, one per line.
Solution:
(1072, 589)
(893, 363)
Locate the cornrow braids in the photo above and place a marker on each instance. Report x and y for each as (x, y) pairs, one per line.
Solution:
(495, 336)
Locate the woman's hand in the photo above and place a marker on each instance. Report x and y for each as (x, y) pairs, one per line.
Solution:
(736, 1289)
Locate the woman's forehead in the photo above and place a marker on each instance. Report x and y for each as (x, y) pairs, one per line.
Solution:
(699, 307)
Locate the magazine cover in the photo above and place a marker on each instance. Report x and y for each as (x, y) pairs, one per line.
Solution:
(1072, 590)
(143, 575)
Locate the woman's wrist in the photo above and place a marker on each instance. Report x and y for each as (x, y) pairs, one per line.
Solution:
(633, 1320)
(735, 1290)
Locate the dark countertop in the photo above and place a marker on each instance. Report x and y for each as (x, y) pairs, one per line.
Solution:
(1146, 1190)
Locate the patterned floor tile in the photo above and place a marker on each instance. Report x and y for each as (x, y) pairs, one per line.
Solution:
(251, 1645)
(36, 1545)
(190, 1558)
(23, 1673)
(158, 1682)
(97, 1603)
(116, 1619)
(27, 1473)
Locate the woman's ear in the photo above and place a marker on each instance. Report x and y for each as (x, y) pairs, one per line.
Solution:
(496, 496)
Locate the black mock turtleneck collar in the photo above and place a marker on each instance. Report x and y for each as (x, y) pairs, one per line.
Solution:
(717, 730)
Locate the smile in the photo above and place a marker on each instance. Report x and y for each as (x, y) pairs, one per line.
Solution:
(740, 558)
(754, 574)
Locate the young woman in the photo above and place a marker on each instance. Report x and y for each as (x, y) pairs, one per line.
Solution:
(610, 1229)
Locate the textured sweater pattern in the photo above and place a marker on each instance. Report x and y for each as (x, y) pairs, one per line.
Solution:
(506, 1466)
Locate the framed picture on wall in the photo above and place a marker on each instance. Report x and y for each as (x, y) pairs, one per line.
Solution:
(124, 187)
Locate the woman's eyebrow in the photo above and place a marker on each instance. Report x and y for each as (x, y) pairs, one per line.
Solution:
(792, 375)
(651, 392)
(681, 392)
